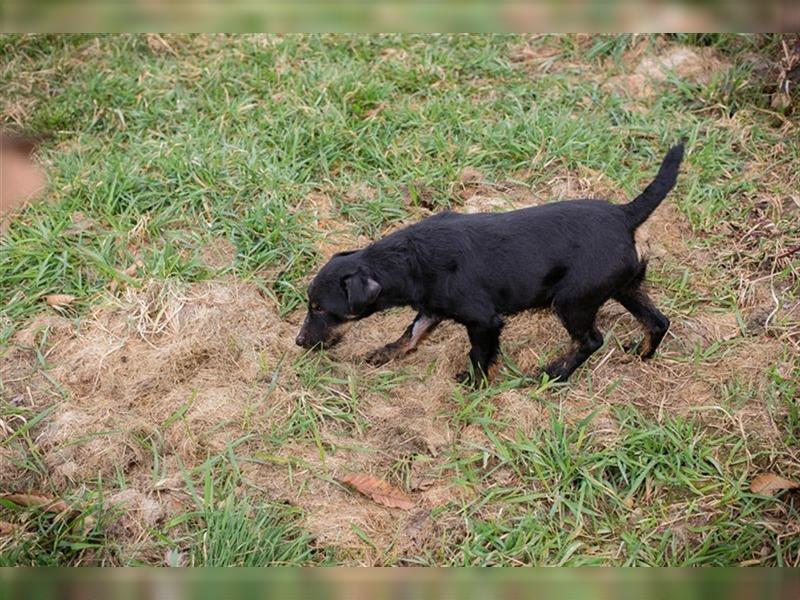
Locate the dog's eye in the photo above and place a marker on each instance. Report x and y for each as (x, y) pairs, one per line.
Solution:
(315, 307)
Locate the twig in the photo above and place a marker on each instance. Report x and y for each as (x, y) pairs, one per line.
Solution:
(789, 252)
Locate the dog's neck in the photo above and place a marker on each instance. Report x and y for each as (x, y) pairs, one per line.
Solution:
(397, 271)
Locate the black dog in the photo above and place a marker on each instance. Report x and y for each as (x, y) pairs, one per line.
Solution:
(573, 256)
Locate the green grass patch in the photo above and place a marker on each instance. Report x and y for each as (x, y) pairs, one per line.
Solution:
(661, 493)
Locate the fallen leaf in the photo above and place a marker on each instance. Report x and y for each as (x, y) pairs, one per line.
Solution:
(379, 490)
(59, 300)
(7, 528)
(767, 484)
(49, 505)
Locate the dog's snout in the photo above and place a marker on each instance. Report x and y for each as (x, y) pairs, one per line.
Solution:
(302, 335)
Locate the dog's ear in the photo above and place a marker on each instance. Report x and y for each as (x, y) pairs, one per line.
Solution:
(362, 290)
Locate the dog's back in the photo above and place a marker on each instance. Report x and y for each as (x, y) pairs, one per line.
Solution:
(522, 258)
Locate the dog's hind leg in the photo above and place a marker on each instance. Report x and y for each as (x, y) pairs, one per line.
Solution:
(412, 336)
(579, 321)
(638, 303)
(485, 340)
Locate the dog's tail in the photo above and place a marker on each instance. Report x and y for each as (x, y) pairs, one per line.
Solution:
(638, 210)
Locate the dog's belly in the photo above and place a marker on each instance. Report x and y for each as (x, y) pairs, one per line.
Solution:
(541, 300)
(516, 297)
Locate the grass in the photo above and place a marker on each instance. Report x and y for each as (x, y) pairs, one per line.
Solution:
(280, 146)
(646, 500)
(46, 539)
(230, 529)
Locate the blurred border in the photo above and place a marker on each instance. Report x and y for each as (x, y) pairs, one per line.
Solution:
(399, 15)
(402, 584)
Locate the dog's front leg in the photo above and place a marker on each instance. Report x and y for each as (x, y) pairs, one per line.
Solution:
(413, 335)
(485, 340)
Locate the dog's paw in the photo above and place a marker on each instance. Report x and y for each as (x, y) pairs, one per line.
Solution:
(632, 347)
(465, 378)
(554, 372)
(473, 380)
(642, 348)
(538, 374)
(381, 356)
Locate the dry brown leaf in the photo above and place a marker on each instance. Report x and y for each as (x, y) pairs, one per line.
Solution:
(7, 528)
(379, 490)
(767, 484)
(59, 300)
(49, 505)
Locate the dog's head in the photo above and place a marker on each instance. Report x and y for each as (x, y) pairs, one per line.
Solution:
(343, 291)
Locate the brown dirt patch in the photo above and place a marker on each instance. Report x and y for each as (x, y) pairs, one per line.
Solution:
(219, 253)
(643, 75)
(337, 234)
(697, 65)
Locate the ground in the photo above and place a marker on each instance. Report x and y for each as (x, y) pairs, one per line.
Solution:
(196, 183)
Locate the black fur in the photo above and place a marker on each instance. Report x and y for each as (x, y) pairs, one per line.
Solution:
(572, 256)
